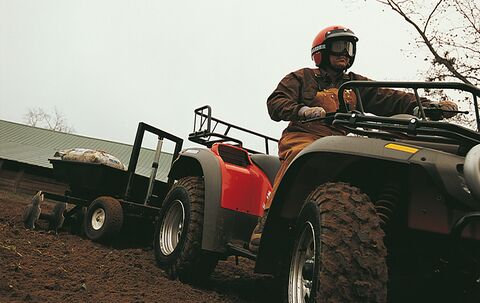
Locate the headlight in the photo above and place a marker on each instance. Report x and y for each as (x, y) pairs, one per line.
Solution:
(471, 171)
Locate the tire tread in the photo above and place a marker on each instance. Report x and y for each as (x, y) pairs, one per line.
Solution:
(192, 264)
(352, 249)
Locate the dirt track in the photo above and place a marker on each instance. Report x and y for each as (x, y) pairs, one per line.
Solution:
(41, 266)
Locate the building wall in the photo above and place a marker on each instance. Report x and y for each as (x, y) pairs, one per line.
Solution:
(24, 178)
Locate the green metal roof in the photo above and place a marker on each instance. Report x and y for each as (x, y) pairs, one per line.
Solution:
(33, 145)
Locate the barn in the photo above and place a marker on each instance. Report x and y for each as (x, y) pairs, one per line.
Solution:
(25, 152)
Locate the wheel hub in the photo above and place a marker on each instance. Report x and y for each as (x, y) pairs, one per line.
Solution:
(172, 227)
(300, 279)
(98, 218)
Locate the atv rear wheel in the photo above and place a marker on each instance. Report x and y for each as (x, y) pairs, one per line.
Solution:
(338, 254)
(178, 233)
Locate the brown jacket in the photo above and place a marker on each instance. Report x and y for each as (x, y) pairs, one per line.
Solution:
(313, 87)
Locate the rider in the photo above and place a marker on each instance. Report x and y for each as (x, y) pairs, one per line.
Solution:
(313, 92)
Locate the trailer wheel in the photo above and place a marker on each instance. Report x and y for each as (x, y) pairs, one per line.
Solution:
(104, 219)
(57, 217)
(178, 233)
(338, 254)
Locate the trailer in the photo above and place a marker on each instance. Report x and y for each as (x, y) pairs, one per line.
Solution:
(104, 197)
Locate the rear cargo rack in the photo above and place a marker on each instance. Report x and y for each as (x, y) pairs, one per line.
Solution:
(207, 134)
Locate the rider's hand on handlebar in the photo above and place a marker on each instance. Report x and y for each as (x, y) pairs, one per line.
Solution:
(312, 112)
(448, 108)
(437, 111)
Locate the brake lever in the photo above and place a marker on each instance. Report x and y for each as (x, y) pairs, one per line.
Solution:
(464, 112)
(437, 109)
(436, 113)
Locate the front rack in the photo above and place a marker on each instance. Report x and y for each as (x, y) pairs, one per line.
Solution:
(206, 131)
(412, 128)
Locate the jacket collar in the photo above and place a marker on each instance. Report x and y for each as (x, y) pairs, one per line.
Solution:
(323, 76)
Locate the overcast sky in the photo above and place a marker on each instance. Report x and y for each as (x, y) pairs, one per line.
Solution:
(108, 64)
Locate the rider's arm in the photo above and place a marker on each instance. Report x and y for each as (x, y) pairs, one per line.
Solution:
(286, 100)
(387, 102)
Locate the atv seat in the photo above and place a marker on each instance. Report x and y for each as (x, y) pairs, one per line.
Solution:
(268, 164)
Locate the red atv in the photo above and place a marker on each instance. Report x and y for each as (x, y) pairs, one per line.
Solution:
(390, 214)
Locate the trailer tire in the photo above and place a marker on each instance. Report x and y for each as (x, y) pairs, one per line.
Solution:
(178, 233)
(104, 219)
(338, 251)
(57, 217)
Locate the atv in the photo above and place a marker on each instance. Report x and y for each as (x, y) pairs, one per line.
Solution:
(390, 213)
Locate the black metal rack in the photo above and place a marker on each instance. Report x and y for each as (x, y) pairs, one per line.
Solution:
(207, 134)
(137, 145)
(409, 127)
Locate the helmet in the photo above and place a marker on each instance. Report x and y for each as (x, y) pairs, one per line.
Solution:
(322, 44)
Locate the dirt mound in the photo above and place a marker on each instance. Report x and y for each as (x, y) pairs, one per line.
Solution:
(41, 266)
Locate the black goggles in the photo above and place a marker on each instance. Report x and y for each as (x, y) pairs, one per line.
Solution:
(341, 47)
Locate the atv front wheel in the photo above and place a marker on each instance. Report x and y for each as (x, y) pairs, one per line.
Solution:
(338, 254)
(178, 233)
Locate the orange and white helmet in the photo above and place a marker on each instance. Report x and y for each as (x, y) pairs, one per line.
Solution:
(334, 39)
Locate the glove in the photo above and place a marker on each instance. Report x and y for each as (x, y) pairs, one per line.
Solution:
(447, 107)
(311, 112)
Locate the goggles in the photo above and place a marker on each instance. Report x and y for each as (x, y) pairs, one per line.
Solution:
(341, 47)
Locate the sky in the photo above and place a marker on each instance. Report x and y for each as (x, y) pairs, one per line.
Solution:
(109, 64)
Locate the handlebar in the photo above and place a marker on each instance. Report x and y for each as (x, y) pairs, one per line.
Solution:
(356, 84)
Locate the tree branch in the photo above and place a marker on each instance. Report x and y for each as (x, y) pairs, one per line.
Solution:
(39, 118)
(469, 18)
(430, 16)
(456, 45)
(448, 63)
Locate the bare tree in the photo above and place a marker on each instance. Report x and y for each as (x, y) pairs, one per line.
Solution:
(56, 121)
(450, 30)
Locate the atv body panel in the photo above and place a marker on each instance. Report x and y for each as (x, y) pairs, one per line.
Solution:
(236, 190)
(367, 163)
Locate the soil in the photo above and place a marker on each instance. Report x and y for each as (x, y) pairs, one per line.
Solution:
(46, 266)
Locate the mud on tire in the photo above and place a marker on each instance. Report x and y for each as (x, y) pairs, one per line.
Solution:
(338, 254)
(178, 233)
